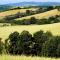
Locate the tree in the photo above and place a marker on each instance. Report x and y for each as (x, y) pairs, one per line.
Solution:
(28, 12)
(1, 46)
(37, 36)
(50, 8)
(38, 39)
(26, 38)
(50, 47)
(33, 20)
(58, 50)
(13, 39)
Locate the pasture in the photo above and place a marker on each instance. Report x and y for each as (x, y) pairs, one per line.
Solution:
(6, 30)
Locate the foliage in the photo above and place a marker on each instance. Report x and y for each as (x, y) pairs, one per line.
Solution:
(1, 46)
(51, 47)
(41, 44)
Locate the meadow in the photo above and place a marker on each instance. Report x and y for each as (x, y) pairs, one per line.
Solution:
(6, 30)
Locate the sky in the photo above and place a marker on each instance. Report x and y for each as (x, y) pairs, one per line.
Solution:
(16, 1)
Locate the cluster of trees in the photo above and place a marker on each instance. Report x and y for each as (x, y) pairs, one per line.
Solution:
(33, 20)
(40, 44)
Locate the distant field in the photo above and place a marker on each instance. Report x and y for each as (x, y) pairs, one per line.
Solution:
(5, 31)
(42, 15)
(11, 57)
(12, 12)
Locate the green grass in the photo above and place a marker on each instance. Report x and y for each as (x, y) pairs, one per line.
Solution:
(11, 57)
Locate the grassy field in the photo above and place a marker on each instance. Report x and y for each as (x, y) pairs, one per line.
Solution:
(42, 15)
(12, 12)
(11, 57)
(6, 30)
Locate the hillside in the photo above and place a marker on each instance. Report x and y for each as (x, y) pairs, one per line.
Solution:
(12, 12)
(5, 31)
(42, 15)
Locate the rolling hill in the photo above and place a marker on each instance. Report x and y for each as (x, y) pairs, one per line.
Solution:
(12, 12)
(42, 15)
(5, 31)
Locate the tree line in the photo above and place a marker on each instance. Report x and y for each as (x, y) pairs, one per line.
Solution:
(33, 20)
(39, 44)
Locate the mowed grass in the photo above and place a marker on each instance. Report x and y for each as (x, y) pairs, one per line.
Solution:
(11, 57)
(6, 30)
(12, 12)
(42, 15)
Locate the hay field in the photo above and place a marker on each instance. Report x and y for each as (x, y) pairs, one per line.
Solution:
(6, 30)
(11, 57)
(12, 12)
(42, 15)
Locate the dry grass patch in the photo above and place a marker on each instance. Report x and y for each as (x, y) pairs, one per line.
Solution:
(11, 57)
(5, 31)
(12, 12)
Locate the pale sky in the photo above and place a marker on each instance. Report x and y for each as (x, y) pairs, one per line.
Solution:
(15, 1)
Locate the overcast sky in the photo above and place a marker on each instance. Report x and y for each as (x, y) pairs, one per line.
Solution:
(15, 1)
